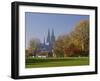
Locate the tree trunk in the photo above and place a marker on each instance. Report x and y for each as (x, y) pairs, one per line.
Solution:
(82, 46)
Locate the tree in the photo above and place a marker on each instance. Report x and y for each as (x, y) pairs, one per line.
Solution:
(34, 45)
(58, 48)
(81, 35)
(28, 53)
(76, 42)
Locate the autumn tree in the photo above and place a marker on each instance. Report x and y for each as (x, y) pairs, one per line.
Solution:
(76, 42)
(58, 47)
(34, 45)
(80, 35)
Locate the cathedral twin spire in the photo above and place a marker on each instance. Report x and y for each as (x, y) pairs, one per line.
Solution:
(50, 38)
(50, 42)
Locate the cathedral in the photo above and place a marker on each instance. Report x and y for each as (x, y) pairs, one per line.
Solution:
(47, 45)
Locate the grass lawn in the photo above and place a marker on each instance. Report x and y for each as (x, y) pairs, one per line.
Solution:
(56, 62)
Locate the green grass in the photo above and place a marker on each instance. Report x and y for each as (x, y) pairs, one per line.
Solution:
(56, 62)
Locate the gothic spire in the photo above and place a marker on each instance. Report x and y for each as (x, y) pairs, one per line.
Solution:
(52, 37)
(48, 36)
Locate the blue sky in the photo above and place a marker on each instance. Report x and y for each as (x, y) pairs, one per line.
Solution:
(37, 24)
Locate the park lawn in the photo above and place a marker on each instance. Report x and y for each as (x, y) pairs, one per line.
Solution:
(56, 62)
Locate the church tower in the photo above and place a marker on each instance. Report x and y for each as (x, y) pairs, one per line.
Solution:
(50, 41)
(52, 37)
(48, 37)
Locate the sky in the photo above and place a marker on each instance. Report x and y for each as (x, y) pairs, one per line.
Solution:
(37, 24)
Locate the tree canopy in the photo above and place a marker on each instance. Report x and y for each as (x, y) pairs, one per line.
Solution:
(76, 43)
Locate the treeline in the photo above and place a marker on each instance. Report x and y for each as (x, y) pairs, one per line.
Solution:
(76, 43)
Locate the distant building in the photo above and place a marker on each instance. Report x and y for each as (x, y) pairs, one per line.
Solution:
(46, 47)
